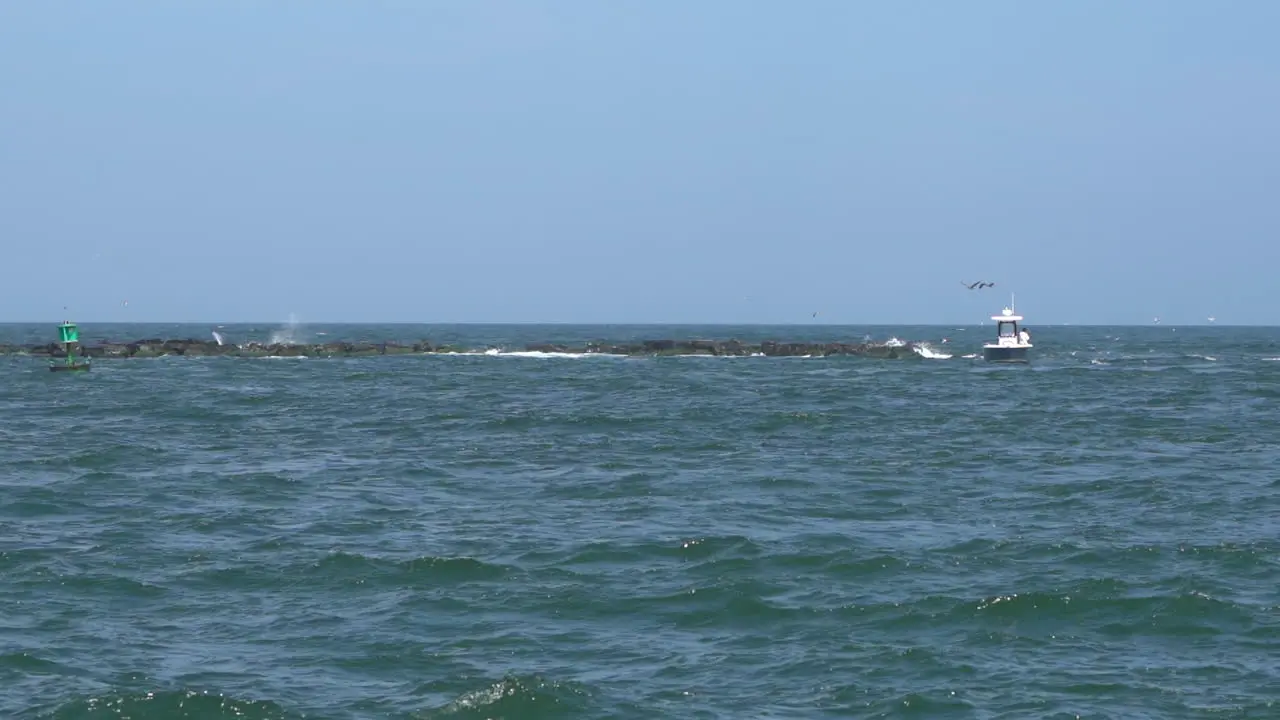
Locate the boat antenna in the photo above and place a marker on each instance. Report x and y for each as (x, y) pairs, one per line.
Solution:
(1013, 305)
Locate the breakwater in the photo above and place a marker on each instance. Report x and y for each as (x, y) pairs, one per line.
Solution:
(156, 347)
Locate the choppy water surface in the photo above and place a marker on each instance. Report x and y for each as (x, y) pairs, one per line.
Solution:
(603, 537)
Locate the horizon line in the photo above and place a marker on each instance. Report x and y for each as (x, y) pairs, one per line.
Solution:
(285, 323)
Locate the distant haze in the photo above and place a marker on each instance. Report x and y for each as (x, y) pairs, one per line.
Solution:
(628, 161)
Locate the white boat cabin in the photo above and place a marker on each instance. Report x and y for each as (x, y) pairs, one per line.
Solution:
(1008, 333)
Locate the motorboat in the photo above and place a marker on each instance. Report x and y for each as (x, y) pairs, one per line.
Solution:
(1011, 343)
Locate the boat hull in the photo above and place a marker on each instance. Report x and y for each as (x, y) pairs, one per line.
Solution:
(1005, 354)
(62, 367)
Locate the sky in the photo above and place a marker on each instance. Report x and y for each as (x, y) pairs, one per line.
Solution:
(632, 161)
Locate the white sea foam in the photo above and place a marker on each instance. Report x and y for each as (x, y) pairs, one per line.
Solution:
(495, 352)
(924, 350)
(289, 334)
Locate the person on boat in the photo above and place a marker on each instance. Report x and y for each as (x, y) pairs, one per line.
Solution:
(1024, 336)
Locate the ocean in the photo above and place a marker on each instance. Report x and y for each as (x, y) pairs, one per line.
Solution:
(514, 535)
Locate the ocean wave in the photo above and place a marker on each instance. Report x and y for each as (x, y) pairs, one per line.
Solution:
(346, 569)
(166, 705)
(514, 697)
(729, 595)
(941, 703)
(925, 350)
(425, 569)
(30, 664)
(529, 419)
(686, 550)
(1075, 611)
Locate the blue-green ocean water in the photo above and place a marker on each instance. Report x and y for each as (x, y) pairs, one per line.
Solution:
(478, 536)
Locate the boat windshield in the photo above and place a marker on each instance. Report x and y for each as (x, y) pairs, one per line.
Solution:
(1008, 330)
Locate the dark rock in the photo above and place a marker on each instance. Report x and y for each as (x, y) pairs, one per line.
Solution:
(155, 347)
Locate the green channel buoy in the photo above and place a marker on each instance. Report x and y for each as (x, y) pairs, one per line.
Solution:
(69, 337)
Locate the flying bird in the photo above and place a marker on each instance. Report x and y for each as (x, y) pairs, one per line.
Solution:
(978, 285)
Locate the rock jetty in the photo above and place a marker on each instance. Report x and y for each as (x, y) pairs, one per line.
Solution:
(156, 347)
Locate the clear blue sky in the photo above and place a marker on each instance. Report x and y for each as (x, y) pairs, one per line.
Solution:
(640, 161)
